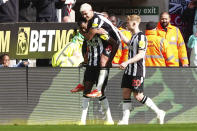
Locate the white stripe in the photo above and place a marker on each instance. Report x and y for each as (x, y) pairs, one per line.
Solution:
(101, 23)
(144, 68)
(142, 38)
(90, 56)
(134, 54)
(95, 56)
(113, 27)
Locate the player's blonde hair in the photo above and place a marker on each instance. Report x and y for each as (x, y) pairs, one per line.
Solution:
(134, 18)
(85, 6)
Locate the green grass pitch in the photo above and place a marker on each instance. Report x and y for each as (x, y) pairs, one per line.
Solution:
(134, 127)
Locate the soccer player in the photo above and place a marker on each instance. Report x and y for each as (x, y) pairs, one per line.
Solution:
(111, 43)
(133, 77)
(94, 51)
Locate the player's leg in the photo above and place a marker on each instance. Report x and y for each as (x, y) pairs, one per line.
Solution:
(89, 81)
(126, 106)
(114, 47)
(138, 94)
(85, 101)
(104, 72)
(105, 104)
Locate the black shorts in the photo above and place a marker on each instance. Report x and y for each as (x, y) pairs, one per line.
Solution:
(135, 83)
(91, 77)
(107, 51)
(91, 74)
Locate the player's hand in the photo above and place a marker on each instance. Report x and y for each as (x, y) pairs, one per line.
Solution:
(82, 64)
(101, 31)
(123, 65)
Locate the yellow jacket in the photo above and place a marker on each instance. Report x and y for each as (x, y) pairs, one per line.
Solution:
(122, 52)
(159, 52)
(70, 55)
(173, 35)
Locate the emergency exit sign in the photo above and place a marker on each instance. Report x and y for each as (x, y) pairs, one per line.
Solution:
(153, 10)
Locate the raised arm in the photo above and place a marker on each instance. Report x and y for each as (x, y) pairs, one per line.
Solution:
(124, 38)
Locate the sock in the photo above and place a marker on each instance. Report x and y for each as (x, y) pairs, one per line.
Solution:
(103, 74)
(105, 105)
(126, 107)
(85, 104)
(152, 105)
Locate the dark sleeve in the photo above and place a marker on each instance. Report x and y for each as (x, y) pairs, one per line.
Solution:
(59, 4)
(84, 48)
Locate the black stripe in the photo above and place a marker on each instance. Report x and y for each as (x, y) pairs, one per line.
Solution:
(102, 98)
(85, 96)
(144, 99)
(92, 55)
(127, 101)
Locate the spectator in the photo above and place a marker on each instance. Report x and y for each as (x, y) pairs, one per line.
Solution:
(46, 12)
(5, 62)
(27, 11)
(46, 9)
(189, 17)
(192, 45)
(105, 14)
(68, 15)
(173, 35)
(159, 52)
(9, 11)
(122, 52)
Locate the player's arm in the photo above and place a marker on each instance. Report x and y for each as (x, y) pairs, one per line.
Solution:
(93, 31)
(136, 58)
(124, 38)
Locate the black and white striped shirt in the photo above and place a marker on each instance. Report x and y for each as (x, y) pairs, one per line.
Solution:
(99, 21)
(137, 42)
(95, 49)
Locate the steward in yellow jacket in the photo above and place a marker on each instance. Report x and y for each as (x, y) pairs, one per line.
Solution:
(159, 51)
(71, 54)
(173, 35)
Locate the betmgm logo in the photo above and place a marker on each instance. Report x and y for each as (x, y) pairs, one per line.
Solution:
(23, 41)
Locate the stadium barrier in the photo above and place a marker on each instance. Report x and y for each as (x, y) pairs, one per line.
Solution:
(42, 96)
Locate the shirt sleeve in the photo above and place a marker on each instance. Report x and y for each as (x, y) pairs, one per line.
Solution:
(97, 22)
(142, 42)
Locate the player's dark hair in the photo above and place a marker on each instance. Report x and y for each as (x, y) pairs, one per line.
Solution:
(81, 20)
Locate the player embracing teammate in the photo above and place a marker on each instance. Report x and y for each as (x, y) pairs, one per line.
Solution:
(103, 40)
